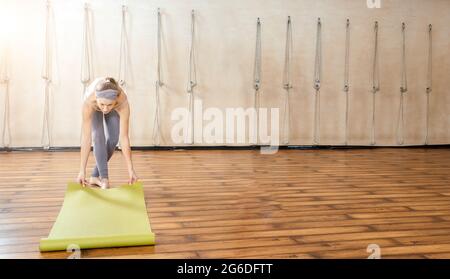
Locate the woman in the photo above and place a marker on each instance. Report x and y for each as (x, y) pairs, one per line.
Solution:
(104, 99)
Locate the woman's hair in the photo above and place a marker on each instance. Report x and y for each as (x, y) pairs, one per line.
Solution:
(107, 83)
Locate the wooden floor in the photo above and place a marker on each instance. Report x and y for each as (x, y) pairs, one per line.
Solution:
(241, 204)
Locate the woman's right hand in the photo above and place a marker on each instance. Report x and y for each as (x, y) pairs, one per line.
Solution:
(82, 178)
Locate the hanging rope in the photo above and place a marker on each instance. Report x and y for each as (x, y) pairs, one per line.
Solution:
(192, 81)
(346, 75)
(158, 84)
(4, 79)
(123, 56)
(47, 77)
(403, 90)
(6, 133)
(317, 77)
(86, 67)
(375, 81)
(257, 78)
(287, 85)
(429, 78)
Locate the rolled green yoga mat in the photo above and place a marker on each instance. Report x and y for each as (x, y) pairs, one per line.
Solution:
(96, 218)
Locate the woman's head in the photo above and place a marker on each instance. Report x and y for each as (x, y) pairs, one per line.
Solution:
(106, 93)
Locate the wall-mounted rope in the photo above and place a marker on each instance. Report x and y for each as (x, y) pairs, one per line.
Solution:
(287, 85)
(86, 65)
(403, 90)
(317, 81)
(346, 75)
(375, 80)
(159, 83)
(86, 55)
(192, 82)
(123, 52)
(47, 77)
(429, 79)
(257, 79)
(4, 81)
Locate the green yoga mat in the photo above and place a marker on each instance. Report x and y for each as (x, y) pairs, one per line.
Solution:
(96, 218)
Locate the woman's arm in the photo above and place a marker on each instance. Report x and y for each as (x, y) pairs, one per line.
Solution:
(124, 113)
(85, 141)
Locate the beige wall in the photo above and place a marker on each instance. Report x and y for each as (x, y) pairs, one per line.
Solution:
(225, 48)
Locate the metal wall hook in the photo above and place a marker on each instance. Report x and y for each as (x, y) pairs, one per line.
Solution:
(317, 85)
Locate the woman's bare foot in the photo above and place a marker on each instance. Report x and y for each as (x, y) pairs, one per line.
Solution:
(102, 183)
(94, 181)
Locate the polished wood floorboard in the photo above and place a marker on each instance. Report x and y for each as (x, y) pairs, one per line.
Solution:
(243, 204)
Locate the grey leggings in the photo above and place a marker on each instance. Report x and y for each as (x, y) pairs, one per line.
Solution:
(104, 146)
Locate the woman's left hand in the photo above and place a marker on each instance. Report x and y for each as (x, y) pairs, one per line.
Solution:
(133, 178)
